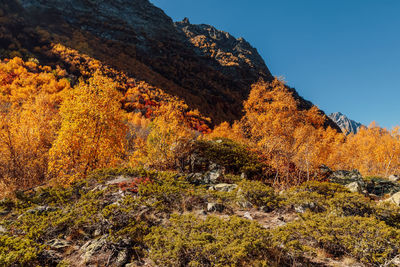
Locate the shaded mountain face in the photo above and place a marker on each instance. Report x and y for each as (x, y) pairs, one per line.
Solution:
(209, 69)
(347, 125)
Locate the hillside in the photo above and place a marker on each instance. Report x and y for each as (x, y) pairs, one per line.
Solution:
(207, 68)
(127, 139)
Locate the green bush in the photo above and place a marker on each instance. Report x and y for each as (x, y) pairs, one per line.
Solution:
(236, 158)
(18, 251)
(364, 238)
(189, 241)
(258, 194)
(314, 195)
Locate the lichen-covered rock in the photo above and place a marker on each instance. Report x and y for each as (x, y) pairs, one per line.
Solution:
(393, 178)
(395, 199)
(355, 187)
(215, 207)
(224, 187)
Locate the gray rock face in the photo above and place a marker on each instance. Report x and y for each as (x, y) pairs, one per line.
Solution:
(347, 125)
(210, 69)
(234, 55)
(120, 20)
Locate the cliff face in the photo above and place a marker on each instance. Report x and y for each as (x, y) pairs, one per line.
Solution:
(210, 69)
(347, 125)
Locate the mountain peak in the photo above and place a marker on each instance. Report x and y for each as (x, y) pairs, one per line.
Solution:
(346, 125)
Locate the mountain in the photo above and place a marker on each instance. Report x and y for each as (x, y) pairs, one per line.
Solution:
(346, 125)
(209, 69)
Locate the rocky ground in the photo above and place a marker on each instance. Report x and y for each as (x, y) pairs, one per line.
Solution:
(130, 217)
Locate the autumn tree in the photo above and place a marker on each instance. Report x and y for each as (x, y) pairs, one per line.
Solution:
(289, 137)
(29, 99)
(167, 141)
(93, 129)
(373, 151)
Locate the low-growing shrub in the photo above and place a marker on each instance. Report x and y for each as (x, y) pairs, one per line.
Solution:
(236, 158)
(18, 251)
(258, 194)
(364, 238)
(189, 241)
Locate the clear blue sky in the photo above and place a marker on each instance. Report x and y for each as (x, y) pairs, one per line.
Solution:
(343, 55)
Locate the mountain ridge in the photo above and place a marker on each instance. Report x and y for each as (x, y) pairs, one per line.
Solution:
(347, 125)
(209, 69)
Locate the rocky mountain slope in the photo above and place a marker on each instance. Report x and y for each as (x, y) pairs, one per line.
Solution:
(210, 69)
(346, 125)
(137, 217)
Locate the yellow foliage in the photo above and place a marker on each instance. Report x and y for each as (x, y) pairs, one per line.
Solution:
(167, 141)
(93, 131)
(29, 103)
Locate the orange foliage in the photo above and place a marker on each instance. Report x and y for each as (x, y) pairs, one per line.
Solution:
(373, 151)
(29, 99)
(93, 130)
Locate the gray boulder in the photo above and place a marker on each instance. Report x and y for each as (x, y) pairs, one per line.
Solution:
(92, 247)
(224, 187)
(355, 187)
(393, 178)
(58, 243)
(394, 199)
(215, 207)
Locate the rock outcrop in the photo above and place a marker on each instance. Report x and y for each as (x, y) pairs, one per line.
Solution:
(347, 125)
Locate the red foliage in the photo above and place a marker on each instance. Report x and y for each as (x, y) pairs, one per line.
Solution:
(133, 186)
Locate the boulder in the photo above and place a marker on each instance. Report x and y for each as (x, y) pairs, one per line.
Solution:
(393, 178)
(355, 187)
(215, 207)
(58, 243)
(381, 186)
(224, 187)
(394, 199)
(92, 247)
(247, 215)
(345, 177)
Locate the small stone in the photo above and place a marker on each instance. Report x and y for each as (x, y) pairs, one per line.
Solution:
(393, 178)
(247, 215)
(58, 243)
(224, 187)
(122, 258)
(354, 187)
(394, 199)
(2, 229)
(215, 207)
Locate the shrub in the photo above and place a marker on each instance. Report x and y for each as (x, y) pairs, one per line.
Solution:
(189, 241)
(258, 194)
(18, 251)
(236, 158)
(312, 194)
(364, 238)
